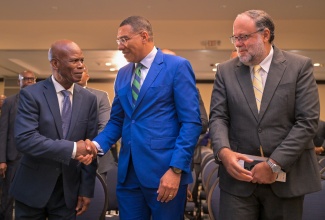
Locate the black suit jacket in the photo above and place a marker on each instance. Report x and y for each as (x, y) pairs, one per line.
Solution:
(8, 151)
(46, 155)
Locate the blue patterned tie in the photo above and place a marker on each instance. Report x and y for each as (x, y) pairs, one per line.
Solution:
(136, 84)
(66, 112)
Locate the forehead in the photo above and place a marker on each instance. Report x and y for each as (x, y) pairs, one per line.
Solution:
(27, 74)
(243, 25)
(124, 31)
(70, 51)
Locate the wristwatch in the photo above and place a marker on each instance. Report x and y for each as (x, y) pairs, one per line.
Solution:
(274, 167)
(176, 170)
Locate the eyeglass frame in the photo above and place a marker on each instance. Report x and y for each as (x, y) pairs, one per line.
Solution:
(124, 40)
(26, 79)
(243, 38)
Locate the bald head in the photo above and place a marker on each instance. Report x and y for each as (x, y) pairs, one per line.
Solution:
(66, 60)
(61, 48)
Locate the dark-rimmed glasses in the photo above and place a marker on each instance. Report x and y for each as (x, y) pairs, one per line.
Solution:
(243, 38)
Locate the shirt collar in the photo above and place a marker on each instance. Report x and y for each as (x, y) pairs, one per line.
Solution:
(266, 63)
(58, 87)
(147, 61)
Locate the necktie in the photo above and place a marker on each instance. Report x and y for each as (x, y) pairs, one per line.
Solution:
(136, 84)
(66, 112)
(258, 86)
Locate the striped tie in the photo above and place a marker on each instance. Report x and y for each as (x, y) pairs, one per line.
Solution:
(136, 84)
(258, 86)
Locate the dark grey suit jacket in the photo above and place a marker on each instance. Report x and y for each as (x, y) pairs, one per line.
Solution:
(103, 107)
(320, 135)
(285, 126)
(8, 151)
(104, 110)
(46, 155)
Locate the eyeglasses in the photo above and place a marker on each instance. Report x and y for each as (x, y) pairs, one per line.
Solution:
(124, 40)
(243, 38)
(26, 79)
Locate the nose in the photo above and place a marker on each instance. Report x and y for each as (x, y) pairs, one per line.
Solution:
(238, 43)
(120, 46)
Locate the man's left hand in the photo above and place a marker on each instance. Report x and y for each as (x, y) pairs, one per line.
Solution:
(168, 187)
(262, 174)
(83, 204)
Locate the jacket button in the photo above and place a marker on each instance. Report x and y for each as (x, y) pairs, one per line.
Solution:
(260, 130)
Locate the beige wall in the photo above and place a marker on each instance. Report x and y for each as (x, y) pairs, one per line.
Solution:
(321, 92)
(1, 87)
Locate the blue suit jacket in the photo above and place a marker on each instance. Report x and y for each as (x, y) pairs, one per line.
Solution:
(46, 155)
(163, 127)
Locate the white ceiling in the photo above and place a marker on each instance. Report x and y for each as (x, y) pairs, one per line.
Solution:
(27, 28)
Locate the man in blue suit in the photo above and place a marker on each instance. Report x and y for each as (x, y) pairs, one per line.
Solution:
(159, 130)
(50, 182)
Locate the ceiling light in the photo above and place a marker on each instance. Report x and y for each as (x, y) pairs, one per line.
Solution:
(214, 69)
(108, 64)
(112, 69)
(318, 64)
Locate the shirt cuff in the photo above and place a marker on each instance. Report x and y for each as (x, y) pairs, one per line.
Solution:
(99, 149)
(74, 150)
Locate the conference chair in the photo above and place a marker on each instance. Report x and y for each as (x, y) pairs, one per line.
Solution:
(314, 205)
(214, 201)
(98, 205)
(321, 163)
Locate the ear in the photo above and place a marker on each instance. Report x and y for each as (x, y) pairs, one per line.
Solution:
(144, 36)
(266, 35)
(54, 64)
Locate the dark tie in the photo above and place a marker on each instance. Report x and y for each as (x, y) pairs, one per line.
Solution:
(136, 84)
(66, 112)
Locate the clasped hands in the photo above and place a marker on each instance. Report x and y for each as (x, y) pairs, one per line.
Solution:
(86, 151)
(261, 173)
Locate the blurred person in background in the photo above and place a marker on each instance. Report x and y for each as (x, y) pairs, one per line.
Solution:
(9, 156)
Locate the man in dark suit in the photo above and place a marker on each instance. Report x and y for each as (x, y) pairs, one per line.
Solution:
(159, 126)
(279, 125)
(104, 110)
(9, 156)
(50, 181)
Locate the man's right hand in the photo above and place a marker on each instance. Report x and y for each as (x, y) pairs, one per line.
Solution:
(230, 160)
(3, 169)
(85, 154)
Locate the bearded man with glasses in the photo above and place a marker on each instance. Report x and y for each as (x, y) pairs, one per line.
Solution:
(265, 120)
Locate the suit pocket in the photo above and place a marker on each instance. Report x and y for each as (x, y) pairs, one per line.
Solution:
(163, 143)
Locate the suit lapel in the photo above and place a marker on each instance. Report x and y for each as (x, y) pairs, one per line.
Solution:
(52, 101)
(150, 78)
(129, 87)
(274, 77)
(245, 81)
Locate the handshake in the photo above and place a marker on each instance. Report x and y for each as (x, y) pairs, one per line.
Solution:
(86, 151)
